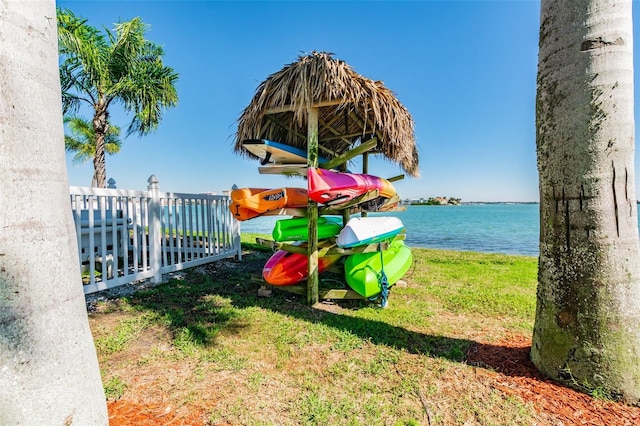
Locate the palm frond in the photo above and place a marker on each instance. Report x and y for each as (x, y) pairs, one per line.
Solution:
(82, 51)
(120, 66)
(148, 91)
(126, 44)
(82, 139)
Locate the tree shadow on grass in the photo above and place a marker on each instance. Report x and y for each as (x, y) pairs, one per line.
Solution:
(510, 359)
(186, 305)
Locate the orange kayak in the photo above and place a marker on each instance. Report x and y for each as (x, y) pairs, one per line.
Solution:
(247, 203)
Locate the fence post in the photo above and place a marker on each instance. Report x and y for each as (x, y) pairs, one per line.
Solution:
(235, 234)
(111, 184)
(155, 229)
(234, 226)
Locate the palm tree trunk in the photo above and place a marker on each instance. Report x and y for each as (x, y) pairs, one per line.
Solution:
(100, 127)
(587, 327)
(49, 372)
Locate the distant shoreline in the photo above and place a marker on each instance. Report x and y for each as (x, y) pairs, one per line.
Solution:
(485, 202)
(500, 202)
(472, 202)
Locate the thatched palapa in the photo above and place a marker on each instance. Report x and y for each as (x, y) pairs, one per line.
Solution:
(351, 109)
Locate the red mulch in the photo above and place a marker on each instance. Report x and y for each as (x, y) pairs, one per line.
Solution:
(506, 365)
(125, 413)
(516, 375)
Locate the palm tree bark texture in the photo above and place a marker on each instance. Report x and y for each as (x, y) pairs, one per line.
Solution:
(49, 372)
(587, 326)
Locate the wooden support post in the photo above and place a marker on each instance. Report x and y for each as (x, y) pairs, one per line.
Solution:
(345, 213)
(345, 216)
(396, 178)
(365, 170)
(312, 209)
(365, 163)
(343, 158)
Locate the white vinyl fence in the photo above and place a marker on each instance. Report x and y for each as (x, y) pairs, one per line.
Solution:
(125, 236)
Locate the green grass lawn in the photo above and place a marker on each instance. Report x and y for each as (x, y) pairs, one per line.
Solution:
(209, 342)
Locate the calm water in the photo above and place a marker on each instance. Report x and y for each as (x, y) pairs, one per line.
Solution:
(489, 228)
(492, 228)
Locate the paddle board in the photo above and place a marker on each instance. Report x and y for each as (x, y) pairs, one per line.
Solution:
(367, 230)
(271, 152)
(361, 270)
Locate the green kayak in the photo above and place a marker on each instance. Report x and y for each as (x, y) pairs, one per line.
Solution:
(297, 228)
(361, 270)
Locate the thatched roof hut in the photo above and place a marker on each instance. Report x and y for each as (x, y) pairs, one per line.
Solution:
(351, 110)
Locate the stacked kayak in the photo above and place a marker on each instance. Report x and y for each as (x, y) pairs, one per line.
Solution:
(363, 271)
(333, 188)
(285, 268)
(367, 230)
(369, 274)
(248, 203)
(297, 228)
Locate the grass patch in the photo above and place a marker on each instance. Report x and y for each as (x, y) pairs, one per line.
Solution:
(126, 330)
(209, 340)
(114, 388)
(248, 242)
(478, 284)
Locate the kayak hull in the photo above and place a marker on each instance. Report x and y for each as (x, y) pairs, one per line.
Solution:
(362, 269)
(368, 230)
(335, 188)
(285, 268)
(297, 228)
(248, 203)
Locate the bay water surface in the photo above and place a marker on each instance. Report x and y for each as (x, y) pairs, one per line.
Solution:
(508, 228)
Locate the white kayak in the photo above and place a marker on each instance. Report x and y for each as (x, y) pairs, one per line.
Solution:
(367, 230)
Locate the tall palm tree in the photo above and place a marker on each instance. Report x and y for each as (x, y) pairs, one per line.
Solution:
(587, 326)
(49, 372)
(82, 141)
(122, 67)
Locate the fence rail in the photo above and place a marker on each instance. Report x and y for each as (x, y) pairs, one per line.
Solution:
(125, 236)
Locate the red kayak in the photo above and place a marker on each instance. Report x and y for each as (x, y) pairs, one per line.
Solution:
(285, 268)
(334, 188)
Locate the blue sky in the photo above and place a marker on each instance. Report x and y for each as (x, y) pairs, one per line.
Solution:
(465, 70)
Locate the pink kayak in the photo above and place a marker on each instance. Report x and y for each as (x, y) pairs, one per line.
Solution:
(335, 188)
